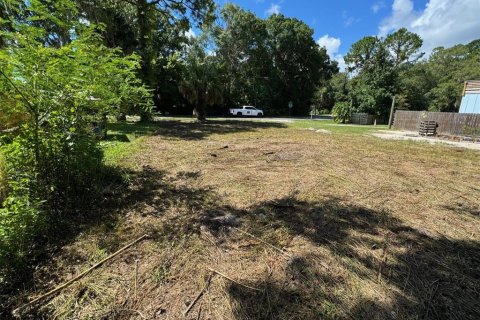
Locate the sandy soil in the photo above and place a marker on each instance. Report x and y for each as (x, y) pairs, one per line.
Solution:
(413, 136)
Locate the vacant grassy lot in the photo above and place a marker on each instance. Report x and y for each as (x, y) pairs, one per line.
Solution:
(368, 228)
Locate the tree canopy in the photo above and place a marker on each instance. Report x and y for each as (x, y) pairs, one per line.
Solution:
(380, 68)
(270, 62)
(263, 62)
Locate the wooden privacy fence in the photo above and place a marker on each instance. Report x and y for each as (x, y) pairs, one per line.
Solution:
(361, 118)
(449, 123)
(366, 119)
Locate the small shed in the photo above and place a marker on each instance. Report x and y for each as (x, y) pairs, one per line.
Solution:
(471, 97)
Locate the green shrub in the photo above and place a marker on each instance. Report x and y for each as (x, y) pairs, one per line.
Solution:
(324, 111)
(53, 164)
(341, 112)
(3, 182)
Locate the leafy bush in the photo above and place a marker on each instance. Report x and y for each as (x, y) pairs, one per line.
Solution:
(21, 212)
(3, 182)
(341, 112)
(324, 111)
(53, 163)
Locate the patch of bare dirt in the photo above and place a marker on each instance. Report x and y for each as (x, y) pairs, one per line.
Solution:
(414, 136)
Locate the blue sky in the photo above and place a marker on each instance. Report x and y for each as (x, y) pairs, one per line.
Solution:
(339, 23)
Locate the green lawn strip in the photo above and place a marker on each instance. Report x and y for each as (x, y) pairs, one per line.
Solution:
(124, 139)
(330, 125)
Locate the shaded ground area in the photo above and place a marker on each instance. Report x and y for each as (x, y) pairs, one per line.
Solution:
(368, 229)
(189, 129)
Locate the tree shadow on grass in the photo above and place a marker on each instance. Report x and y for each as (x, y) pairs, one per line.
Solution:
(200, 131)
(467, 209)
(145, 192)
(186, 130)
(132, 128)
(271, 302)
(428, 276)
(117, 137)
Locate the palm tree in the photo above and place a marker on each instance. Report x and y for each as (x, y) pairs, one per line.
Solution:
(202, 85)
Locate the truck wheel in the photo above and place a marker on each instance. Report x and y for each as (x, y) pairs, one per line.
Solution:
(239, 114)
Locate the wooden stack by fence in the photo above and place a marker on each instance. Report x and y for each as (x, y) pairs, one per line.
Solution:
(428, 128)
(449, 123)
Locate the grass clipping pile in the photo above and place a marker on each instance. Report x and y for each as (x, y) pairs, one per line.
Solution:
(281, 224)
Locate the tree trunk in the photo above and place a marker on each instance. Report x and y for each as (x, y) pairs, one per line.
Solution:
(144, 37)
(199, 112)
(121, 117)
(146, 116)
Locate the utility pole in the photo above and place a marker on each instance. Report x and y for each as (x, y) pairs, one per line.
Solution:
(391, 114)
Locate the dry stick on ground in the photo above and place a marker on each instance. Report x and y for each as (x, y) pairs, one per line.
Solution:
(200, 294)
(232, 280)
(211, 241)
(16, 312)
(264, 242)
(136, 277)
(199, 312)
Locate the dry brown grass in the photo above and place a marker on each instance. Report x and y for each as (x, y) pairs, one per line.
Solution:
(374, 229)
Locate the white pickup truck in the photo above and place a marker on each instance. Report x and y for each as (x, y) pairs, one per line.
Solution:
(247, 111)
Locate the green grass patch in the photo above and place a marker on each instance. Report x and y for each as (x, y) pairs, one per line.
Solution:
(330, 125)
(123, 139)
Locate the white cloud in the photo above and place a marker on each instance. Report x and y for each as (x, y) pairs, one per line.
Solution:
(403, 6)
(274, 9)
(332, 45)
(348, 20)
(440, 23)
(341, 62)
(377, 6)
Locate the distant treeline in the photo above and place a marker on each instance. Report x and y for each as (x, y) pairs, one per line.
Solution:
(379, 68)
(237, 58)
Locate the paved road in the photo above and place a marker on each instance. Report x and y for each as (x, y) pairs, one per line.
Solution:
(267, 119)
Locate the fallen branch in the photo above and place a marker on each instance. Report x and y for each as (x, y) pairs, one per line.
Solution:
(232, 280)
(136, 277)
(16, 312)
(210, 240)
(200, 294)
(199, 312)
(264, 242)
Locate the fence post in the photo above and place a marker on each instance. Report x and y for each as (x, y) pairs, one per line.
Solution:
(391, 114)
